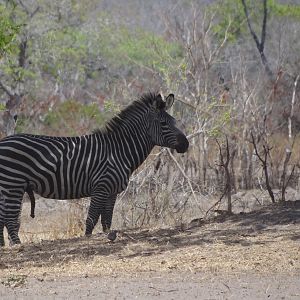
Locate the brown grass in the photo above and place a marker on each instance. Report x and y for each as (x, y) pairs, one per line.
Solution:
(266, 241)
(65, 220)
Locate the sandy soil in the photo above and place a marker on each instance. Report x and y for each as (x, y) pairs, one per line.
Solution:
(158, 286)
(247, 256)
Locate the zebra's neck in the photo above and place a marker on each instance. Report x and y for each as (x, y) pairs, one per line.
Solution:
(128, 140)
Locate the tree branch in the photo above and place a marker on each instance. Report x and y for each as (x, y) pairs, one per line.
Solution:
(225, 164)
(185, 176)
(5, 90)
(260, 44)
(27, 11)
(250, 26)
(264, 27)
(264, 161)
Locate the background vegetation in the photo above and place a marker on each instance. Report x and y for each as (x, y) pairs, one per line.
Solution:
(67, 66)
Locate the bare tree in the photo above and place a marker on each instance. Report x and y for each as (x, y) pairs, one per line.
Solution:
(16, 90)
(291, 141)
(225, 163)
(264, 161)
(260, 43)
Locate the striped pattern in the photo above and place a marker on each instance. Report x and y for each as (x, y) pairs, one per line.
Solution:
(97, 165)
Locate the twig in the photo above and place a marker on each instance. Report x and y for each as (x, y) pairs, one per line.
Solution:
(216, 203)
(129, 236)
(186, 177)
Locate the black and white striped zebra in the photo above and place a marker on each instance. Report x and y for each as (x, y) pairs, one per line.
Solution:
(97, 165)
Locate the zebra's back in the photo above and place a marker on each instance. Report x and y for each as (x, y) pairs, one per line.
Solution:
(55, 167)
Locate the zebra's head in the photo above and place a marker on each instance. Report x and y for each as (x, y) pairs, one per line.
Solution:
(162, 126)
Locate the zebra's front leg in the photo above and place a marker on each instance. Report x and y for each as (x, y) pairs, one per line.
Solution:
(93, 216)
(107, 212)
(106, 217)
(101, 204)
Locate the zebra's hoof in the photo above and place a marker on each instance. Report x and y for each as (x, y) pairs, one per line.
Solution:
(112, 235)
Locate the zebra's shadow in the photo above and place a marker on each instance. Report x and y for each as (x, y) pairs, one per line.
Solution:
(280, 221)
(129, 244)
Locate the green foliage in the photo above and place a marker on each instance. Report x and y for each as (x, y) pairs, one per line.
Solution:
(111, 107)
(56, 45)
(2, 106)
(127, 48)
(63, 54)
(284, 10)
(8, 32)
(221, 122)
(70, 114)
(230, 14)
(71, 109)
(69, 55)
(23, 123)
(148, 49)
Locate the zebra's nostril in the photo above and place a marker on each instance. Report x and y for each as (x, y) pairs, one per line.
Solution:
(182, 144)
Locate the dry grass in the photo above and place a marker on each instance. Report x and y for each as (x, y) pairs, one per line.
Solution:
(63, 220)
(266, 241)
(66, 219)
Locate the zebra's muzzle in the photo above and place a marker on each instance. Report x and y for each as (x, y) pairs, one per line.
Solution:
(182, 144)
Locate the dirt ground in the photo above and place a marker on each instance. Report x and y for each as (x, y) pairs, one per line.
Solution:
(247, 256)
(158, 286)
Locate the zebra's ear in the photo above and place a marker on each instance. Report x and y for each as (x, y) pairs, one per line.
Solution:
(169, 101)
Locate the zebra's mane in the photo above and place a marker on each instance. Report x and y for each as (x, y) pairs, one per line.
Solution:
(146, 100)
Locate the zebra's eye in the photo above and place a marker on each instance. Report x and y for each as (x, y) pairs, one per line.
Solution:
(163, 123)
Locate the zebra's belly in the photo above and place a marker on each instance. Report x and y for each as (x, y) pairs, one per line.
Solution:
(61, 188)
(65, 196)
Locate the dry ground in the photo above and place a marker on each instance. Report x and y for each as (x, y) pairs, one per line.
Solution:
(254, 255)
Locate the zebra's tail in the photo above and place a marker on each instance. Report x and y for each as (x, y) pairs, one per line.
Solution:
(2, 206)
(32, 200)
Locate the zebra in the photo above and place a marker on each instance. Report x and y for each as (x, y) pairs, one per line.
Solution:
(96, 165)
(30, 193)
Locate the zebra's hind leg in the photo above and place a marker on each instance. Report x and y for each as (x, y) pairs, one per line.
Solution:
(13, 227)
(12, 213)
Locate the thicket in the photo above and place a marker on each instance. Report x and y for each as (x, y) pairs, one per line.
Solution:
(233, 65)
